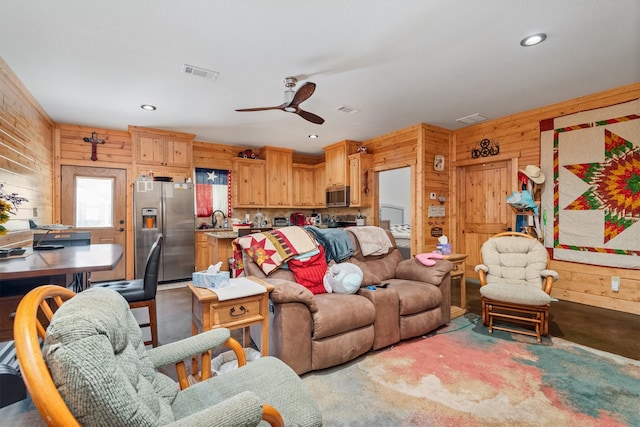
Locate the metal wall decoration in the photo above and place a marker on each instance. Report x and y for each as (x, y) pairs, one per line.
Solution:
(94, 141)
(485, 148)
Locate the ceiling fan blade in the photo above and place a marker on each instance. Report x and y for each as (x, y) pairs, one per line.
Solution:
(310, 117)
(277, 107)
(302, 94)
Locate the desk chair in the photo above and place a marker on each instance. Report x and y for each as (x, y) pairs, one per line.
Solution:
(515, 285)
(141, 293)
(95, 370)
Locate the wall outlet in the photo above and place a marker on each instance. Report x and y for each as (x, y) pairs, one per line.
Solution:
(615, 283)
(432, 196)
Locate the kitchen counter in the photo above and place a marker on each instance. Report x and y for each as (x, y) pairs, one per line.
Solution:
(220, 248)
(227, 234)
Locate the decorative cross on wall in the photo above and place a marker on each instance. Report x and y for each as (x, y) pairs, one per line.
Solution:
(94, 141)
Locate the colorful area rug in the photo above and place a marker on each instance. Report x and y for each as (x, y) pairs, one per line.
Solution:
(463, 376)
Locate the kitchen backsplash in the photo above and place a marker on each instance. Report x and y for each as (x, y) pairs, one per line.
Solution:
(268, 214)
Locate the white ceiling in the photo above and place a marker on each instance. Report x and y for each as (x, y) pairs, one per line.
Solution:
(402, 62)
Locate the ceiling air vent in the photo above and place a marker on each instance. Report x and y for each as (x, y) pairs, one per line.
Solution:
(474, 118)
(200, 72)
(347, 109)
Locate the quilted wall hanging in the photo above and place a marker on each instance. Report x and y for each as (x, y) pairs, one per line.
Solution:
(591, 207)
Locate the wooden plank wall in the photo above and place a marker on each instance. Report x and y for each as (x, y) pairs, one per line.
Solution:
(416, 147)
(26, 161)
(519, 137)
(116, 152)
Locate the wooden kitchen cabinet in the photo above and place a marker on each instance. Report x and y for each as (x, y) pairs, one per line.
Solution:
(337, 162)
(159, 149)
(279, 162)
(203, 252)
(304, 186)
(248, 183)
(163, 153)
(220, 248)
(360, 176)
(320, 183)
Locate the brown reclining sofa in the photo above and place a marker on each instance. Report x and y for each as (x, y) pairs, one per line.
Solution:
(311, 332)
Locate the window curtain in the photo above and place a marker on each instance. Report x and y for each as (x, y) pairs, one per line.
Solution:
(212, 191)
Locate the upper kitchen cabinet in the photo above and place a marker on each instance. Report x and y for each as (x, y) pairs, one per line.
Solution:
(279, 176)
(154, 147)
(248, 183)
(304, 186)
(165, 153)
(360, 179)
(320, 190)
(336, 162)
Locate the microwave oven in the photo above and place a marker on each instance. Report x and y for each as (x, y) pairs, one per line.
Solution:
(338, 197)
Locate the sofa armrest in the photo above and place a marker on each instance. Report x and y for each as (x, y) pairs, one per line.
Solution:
(412, 269)
(285, 291)
(244, 408)
(550, 273)
(185, 348)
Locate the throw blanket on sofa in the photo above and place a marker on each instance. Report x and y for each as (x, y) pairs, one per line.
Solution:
(336, 242)
(373, 240)
(271, 249)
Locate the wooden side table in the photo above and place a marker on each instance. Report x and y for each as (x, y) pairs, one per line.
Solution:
(209, 313)
(458, 273)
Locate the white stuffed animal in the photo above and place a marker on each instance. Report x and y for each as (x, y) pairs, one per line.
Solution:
(343, 278)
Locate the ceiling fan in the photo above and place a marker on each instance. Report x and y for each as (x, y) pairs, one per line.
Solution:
(293, 99)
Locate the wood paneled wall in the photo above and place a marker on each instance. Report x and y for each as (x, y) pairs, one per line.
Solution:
(26, 155)
(519, 137)
(116, 152)
(416, 147)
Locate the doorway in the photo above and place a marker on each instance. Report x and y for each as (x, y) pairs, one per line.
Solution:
(94, 200)
(483, 210)
(394, 203)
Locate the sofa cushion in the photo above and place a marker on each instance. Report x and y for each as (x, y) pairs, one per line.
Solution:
(97, 359)
(516, 294)
(514, 260)
(416, 297)
(338, 313)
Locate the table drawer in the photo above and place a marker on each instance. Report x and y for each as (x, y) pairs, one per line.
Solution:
(237, 311)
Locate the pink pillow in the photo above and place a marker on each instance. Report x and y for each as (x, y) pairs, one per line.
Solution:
(428, 258)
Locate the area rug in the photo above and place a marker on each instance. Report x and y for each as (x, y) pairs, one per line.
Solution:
(463, 376)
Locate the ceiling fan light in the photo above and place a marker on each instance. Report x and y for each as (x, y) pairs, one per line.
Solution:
(288, 96)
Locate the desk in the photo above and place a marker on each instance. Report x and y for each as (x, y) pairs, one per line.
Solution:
(209, 313)
(19, 275)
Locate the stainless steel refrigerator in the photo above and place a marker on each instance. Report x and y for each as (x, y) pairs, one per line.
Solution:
(167, 208)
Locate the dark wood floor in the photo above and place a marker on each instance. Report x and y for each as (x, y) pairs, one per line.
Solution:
(607, 330)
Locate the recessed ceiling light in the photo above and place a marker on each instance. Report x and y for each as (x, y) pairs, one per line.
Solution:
(533, 39)
(148, 107)
(313, 136)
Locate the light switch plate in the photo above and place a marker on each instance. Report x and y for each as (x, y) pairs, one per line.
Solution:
(615, 283)
(432, 196)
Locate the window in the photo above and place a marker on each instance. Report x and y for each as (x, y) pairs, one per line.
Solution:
(94, 202)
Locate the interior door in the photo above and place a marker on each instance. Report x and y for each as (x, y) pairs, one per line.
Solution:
(94, 199)
(482, 190)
